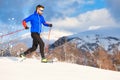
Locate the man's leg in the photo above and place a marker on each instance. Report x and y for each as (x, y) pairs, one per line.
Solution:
(34, 45)
(37, 40)
(41, 46)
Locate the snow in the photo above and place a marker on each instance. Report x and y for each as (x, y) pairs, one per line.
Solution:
(32, 69)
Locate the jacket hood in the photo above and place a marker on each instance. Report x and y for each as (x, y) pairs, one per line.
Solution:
(35, 12)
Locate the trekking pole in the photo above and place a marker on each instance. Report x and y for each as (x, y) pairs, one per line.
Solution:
(47, 45)
(11, 33)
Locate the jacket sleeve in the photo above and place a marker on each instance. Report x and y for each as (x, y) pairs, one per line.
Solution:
(24, 22)
(44, 22)
(28, 18)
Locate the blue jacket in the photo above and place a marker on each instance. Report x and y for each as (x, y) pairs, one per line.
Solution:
(36, 21)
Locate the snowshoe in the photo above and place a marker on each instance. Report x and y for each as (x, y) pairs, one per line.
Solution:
(44, 60)
(22, 55)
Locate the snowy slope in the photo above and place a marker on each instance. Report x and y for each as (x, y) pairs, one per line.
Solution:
(30, 69)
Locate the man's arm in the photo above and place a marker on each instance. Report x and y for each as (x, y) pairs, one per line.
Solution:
(24, 22)
(45, 23)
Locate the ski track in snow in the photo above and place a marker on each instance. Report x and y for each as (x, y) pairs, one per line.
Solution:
(32, 69)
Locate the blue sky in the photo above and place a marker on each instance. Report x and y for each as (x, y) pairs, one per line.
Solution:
(67, 16)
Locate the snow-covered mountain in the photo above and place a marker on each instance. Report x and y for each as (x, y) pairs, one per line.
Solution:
(108, 38)
(93, 48)
(32, 69)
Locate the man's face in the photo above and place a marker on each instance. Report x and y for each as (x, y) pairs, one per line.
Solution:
(40, 10)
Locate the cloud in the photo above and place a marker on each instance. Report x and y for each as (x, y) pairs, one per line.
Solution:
(19, 9)
(114, 8)
(94, 27)
(63, 8)
(89, 20)
(66, 15)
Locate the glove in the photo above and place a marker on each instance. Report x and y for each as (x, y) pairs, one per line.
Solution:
(50, 25)
(26, 27)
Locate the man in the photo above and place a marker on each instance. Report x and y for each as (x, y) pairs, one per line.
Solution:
(36, 21)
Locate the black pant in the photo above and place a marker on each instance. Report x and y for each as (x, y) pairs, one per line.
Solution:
(36, 41)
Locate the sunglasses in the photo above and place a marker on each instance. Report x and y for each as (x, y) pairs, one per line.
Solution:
(41, 10)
